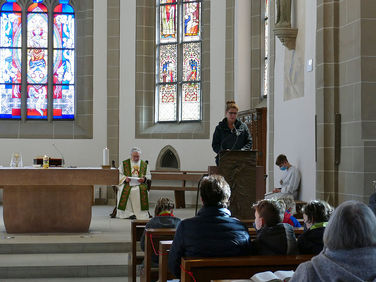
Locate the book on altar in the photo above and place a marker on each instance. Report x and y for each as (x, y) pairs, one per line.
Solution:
(277, 276)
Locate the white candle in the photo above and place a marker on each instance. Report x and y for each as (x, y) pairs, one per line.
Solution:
(106, 156)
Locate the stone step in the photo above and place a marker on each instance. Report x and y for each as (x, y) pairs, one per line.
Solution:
(63, 265)
(65, 248)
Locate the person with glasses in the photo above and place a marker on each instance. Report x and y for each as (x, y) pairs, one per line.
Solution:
(231, 134)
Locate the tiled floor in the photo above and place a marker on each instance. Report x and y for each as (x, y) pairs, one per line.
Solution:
(102, 229)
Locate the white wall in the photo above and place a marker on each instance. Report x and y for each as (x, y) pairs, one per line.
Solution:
(294, 120)
(194, 154)
(242, 51)
(85, 152)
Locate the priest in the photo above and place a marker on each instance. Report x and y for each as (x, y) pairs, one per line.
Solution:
(132, 196)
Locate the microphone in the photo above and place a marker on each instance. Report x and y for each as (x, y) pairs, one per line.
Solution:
(62, 156)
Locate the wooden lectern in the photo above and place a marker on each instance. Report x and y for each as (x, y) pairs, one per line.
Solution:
(239, 170)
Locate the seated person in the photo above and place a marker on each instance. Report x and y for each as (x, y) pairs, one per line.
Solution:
(316, 217)
(290, 211)
(273, 237)
(133, 199)
(290, 179)
(163, 218)
(349, 247)
(213, 232)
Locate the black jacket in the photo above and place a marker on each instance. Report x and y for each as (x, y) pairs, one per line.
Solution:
(310, 242)
(212, 233)
(276, 240)
(226, 139)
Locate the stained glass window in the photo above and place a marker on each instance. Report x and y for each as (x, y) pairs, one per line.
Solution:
(63, 65)
(266, 50)
(178, 89)
(39, 84)
(10, 61)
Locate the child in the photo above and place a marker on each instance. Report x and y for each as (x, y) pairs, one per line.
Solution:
(163, 218)
(316, 215)
(273, 237)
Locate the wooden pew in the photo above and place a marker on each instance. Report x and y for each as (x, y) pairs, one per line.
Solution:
(207, 269)
(164, 248)
(298, 231)
(134, 258)
(152, 239)
(174, 175)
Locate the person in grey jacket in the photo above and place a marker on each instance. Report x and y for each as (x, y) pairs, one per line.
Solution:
(349, 248)
(231, 134)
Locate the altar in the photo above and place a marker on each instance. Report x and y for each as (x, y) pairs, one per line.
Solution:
(37, 200)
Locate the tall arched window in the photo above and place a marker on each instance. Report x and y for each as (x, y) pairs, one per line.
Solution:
(10, 61)
(266, 49)
(178, 75)
(45, 82)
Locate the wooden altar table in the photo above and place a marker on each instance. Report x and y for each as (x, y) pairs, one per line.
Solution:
(37, 200)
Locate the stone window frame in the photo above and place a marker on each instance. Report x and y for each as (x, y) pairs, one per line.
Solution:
(263, 46)
(82, 126)
(179, 44)
(145, 125)
(161, 155)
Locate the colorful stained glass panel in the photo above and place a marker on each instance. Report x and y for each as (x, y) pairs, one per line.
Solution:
(63, 104)
(10, 30)
(167, 103)
(63, 8)
(37, 8)
(191, 101)
(167, 63)
(167, 1)
(10, 101)
(10, 7)
(37, 29)
(10, 65)
(36, 101)
(168, 31)
(37, 66)
(63, 66)
(63, 31)
(191, 21)
(191, 61)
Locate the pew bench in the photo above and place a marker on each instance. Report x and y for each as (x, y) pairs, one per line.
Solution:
(152, 244)
(207, 269)
(176, 176)
(135, 257)
(164, 249)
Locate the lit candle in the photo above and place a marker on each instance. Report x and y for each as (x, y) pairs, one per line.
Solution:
(106, 156)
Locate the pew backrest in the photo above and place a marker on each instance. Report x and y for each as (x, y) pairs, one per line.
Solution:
(207, 269)
(137, 229)
(174, 176)
(152, 239)
(164, 249)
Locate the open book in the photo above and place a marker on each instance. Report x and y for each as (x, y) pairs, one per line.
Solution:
(268, 276)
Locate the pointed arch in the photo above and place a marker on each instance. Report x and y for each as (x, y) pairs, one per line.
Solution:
(168, 159)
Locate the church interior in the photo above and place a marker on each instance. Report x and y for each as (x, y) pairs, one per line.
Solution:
(156, 75)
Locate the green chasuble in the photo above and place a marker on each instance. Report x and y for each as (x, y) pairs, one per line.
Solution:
(127, 188)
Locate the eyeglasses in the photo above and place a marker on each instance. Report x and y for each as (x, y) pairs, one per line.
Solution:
(233, 113)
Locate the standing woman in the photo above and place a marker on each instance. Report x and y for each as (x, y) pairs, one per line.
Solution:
(231, 134)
